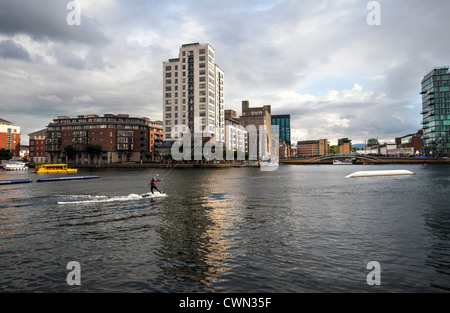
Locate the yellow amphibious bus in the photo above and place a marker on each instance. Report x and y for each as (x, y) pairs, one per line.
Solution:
(54, 169)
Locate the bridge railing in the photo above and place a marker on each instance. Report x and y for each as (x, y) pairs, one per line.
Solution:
(345, 156)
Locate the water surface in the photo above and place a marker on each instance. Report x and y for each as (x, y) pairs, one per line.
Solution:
(297, 229)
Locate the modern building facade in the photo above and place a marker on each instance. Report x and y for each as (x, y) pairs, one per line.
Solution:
(436, 112)
(284, 127)
(236, 137)
(261, 119)
(24, 152)
(284, 133)
(313, 147)
(10, 137)
(120, 137)
(411, 144)
(37, 147)
(193, 92)
(344, 146)
(155, 137)
(231, 114)
(372, 142)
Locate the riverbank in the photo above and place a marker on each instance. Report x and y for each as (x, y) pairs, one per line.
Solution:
(381, 160)
(300, 161)
(156, 165)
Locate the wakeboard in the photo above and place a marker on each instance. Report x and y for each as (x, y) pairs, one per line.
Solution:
(154, 195)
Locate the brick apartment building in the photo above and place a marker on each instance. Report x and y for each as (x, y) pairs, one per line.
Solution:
(10, 137)
(313, 147)
(37, 147)
(121, 138)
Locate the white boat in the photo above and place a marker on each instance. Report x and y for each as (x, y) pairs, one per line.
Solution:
(342, 162)
(269, 165)
(14, 166)
(380, 173)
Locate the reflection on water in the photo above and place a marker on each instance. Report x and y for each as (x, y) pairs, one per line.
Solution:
(437, 221)
(195, 240)
(297, 229)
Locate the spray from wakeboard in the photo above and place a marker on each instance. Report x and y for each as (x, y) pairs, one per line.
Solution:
(130, 197)
(104, 199)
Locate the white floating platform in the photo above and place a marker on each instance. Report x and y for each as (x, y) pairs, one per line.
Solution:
(380, 173)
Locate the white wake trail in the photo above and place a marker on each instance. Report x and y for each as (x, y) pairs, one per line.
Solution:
(104, 199)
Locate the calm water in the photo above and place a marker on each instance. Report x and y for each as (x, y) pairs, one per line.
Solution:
(297, 229)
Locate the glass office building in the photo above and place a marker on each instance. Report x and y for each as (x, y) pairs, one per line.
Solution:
(284, 126)
(436, 112)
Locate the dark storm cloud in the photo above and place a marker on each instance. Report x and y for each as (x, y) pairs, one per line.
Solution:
(10, 50)
(47, 20)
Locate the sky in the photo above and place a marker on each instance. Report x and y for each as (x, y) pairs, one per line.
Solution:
(323, 62)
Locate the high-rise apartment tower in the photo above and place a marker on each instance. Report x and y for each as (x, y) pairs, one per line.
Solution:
(193, 92)
(436, 112)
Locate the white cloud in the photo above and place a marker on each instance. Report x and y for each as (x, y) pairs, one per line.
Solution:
(50, 98)
(83, 98)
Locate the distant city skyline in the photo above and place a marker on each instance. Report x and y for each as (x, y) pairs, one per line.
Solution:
(319, 61)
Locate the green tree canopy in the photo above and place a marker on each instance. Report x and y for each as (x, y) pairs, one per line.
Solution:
(69, 151)
(94, 149)
(333, 149)
(5, 154)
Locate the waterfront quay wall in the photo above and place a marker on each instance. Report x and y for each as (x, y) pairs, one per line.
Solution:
(300, 161)
(157, 165)
(381, 160)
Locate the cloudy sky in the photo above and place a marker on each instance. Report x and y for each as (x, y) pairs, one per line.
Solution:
(319, 61)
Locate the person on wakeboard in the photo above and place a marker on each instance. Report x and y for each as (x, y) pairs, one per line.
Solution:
(153, 183)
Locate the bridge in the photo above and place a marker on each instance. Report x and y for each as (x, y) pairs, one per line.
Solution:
(367, 158)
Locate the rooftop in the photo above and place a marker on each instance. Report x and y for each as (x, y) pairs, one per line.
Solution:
(436, 70)
(2, 121)
(38, 133)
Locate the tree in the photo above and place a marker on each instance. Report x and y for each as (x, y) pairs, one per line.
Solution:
(333, 149)
(70, 152)
(93, 150)
(148, 155)
(5, 154)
